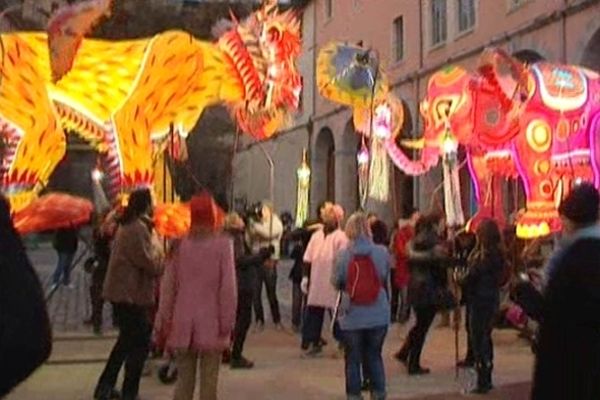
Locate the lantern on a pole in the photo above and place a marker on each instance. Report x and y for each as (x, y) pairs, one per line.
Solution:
(303, 175)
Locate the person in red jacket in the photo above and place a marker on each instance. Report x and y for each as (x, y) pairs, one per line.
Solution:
(401, 274)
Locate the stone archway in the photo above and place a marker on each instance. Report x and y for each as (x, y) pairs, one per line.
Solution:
(528, 56)
(323, 167)
(403, 185)
(591, 54)
(347, 169)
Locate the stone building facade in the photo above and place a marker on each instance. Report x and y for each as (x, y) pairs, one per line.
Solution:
(414, 40)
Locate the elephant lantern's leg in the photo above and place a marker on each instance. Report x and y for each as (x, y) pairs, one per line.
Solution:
(488, 191)
(532, 155)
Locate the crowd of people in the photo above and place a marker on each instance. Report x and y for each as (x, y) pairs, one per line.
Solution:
(195, 298)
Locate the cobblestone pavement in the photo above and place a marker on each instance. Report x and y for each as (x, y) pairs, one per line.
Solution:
(281, 373)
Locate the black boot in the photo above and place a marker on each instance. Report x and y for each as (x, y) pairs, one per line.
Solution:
(403, 353)
(484, 378)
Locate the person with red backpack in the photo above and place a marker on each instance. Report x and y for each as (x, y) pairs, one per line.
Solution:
(361, 273)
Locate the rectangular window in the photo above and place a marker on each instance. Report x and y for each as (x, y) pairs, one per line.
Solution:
(328, 9)
(398, 39)
(466, 15)
(438, 21)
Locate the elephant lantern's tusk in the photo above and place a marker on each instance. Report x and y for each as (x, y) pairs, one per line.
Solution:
(416, 144)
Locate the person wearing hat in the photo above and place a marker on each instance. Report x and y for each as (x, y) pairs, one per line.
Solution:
(568, 308)
(136, 261)
(198, 299)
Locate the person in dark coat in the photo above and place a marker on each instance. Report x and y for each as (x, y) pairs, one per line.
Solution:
(567, 362)
(427, 261)
(300, 237)
(481, 288)
(246, 265)
(65, 243)
(25, 332)
(102, 237)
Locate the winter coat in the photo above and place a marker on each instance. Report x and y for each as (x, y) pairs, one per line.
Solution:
(246, 263)
(320, 254)
(400, 248)
(352, 316)
(427, 264)
(267, 233)
(568, 353)
(302, 236)
(25, 330)
(134, 266)
(484, 277)
(198, 298)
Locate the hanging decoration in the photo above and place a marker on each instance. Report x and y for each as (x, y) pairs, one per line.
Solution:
(362, 159)
(303, 175)
(351, 75)
(380, 126)
(123, 96)
(452, 194)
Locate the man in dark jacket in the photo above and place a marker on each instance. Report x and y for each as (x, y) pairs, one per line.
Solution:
(246, 265)
(568, 308)
(65, 243)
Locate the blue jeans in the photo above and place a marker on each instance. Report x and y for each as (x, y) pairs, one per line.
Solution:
(364, 345)
(63, 268)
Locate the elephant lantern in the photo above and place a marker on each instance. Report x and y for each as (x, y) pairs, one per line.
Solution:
(537, 122)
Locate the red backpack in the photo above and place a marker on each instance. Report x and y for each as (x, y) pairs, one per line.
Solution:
(363, 283)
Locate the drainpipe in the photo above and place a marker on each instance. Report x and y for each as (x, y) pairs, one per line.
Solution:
(563, 15)
(310, 124)
(416, 180)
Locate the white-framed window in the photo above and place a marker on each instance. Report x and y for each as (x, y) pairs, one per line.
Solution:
(439, 25)
(398, 39)
(466, 15)
(328, 9)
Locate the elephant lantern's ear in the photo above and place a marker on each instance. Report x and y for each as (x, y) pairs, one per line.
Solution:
(506, 74)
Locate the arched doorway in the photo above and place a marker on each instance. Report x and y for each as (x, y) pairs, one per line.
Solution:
(323, 162)
(591, 54)
(347, 169)
(528, 56)
(403, 185)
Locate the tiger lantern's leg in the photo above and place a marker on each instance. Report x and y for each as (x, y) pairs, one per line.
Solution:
(34, 143)
(165, 90)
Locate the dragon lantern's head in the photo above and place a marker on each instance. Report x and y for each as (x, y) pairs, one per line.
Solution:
(264, 49)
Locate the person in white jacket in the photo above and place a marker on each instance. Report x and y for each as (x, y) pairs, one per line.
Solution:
(266, 233)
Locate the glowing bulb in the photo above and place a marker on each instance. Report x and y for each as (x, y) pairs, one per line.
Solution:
(383, 122)
(273, 71)
(97, 175)
(381, 131)
(303, 173)
(363, 157)
(449, 145)
(578, 181)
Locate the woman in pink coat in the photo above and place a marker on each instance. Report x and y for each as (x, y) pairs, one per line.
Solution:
(196, 313)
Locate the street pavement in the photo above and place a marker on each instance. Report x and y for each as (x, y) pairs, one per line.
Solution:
(280, 372)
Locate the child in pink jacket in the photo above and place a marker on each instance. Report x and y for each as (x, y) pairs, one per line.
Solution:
(198, 301)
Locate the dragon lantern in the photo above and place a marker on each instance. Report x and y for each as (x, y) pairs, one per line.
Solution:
(124, 97)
